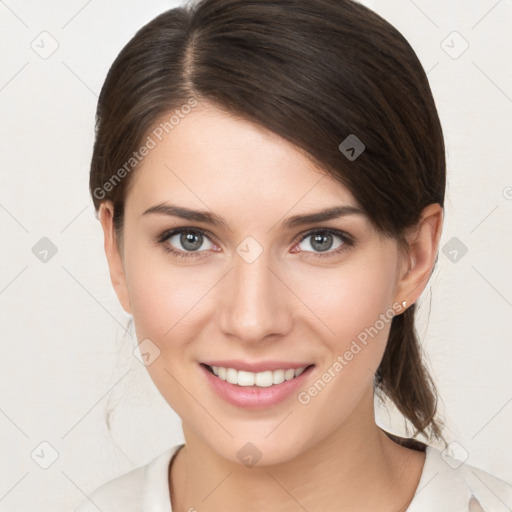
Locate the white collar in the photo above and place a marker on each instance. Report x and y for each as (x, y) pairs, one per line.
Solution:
(448, 484)
(155, 492)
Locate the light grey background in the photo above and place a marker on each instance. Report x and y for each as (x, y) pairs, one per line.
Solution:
(66, 362)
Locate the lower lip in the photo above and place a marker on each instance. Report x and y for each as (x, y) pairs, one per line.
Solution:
(253, 397)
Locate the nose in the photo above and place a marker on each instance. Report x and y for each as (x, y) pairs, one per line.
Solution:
(254, 302)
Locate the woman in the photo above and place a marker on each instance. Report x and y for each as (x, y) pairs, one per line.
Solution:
(270, 180)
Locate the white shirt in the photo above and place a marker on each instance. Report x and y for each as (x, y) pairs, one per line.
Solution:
(445, 485)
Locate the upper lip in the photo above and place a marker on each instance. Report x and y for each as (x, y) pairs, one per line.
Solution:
(256, 367)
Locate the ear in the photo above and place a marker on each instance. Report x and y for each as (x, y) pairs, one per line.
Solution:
(424, 242)
(114, 258)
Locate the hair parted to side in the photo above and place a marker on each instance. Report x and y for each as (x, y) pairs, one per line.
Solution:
(312, 72)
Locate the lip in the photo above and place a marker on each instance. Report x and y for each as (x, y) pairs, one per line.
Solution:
(253, 397)
(256, 367)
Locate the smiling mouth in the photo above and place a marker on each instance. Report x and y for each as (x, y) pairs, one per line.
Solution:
(255, 379)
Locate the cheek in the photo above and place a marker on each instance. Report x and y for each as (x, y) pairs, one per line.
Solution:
(354, 302)
(163, 299)
(355, 306)
(349, 300)
(167, 300)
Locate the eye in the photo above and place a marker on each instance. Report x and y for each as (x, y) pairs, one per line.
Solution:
(322, 241)
(190, 240)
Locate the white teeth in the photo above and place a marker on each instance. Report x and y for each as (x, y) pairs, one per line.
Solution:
(260, 379)
(298, 371)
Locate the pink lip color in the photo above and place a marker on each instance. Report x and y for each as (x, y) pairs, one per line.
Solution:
(253, 397)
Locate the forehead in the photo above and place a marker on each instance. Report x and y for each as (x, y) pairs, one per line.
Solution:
(210, 157)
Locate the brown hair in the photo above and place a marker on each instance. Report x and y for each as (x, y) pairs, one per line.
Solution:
(313, 72)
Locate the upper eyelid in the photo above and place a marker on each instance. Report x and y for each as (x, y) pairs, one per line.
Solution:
(168, 233)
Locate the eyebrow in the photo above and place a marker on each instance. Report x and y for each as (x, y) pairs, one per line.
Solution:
(216, 220)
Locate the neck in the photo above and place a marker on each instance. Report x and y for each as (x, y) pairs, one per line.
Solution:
(357, 467)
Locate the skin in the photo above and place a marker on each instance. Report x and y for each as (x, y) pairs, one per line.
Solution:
(289, 304)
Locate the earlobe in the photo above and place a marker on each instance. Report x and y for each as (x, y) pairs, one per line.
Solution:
(423, 243)
(112, 252)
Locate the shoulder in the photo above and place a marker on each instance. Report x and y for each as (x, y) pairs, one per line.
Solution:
(123, 492)
(132, 490)
(447, 483)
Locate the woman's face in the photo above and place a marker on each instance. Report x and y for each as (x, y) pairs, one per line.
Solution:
(254, 289)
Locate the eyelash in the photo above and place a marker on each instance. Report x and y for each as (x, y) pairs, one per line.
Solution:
(347, 240)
